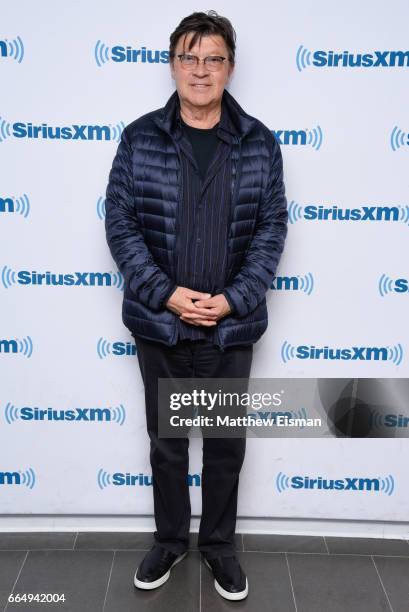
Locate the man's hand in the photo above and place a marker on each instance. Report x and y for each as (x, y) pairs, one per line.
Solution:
(206, 310)
(215, 307)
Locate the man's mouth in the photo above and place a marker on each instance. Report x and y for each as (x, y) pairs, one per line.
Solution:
(200, 85)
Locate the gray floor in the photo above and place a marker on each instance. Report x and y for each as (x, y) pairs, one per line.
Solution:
(95, 571)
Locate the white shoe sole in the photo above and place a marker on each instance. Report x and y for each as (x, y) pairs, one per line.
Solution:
(228, 594)
(156, 583)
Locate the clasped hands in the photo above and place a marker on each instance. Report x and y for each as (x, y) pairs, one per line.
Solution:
(206, 310)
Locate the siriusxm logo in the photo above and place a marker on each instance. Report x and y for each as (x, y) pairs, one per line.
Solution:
(10, 277)
(304, 58)
(109, 414)
(388, 285)
(398, 138)
(309, 137)
(101, 213)
(121, 53)
(126, 479)
(347, 483)
(294, 283)
(354, 353)
(13, 49)
(25, 478)
(19, 205)
(67, 132)
(396, 421)
(15, 346)
(105, 348)
(320, 212)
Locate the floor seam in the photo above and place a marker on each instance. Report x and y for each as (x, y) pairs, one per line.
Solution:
(331, 554)
(263, 552)
(380, 580)
(109, 580)
(200, 584)
(291, 582)
(16, 580)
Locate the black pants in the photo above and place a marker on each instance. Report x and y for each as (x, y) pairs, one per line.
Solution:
(222, 457)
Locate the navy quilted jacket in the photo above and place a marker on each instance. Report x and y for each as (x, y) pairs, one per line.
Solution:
(142, 196)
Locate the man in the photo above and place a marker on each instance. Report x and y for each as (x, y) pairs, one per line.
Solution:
(196, 220)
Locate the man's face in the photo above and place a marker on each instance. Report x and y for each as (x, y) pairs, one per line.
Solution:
(200, 87)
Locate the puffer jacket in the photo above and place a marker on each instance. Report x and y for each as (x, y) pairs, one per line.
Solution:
(142, 196)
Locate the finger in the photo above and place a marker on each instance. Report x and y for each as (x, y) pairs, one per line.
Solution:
(198, 295)
(207, 323)
(197, 315)
(208, 302)
(195, 318)
(203, 312)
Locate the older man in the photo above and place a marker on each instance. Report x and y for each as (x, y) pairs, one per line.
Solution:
(196, 220)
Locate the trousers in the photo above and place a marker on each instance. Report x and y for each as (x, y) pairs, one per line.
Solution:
(222, 457)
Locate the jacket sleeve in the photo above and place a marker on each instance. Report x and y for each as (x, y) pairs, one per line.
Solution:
(256, 274)
(151, 286)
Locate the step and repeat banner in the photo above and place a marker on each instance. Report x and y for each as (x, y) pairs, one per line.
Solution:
(331, 82)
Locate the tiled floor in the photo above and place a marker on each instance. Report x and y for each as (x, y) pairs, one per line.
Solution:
(285, 573)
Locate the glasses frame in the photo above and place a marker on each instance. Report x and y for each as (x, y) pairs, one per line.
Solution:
(198, 60)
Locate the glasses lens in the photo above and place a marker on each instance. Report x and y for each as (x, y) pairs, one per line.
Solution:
(214, 62)
(188, 61)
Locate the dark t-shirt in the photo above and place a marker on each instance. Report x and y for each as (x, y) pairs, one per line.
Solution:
(204, 143)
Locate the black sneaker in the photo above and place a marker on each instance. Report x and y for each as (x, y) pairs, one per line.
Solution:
(155, 567)
(229, 579)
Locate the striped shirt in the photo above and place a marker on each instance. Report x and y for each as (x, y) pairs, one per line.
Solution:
(204, 214)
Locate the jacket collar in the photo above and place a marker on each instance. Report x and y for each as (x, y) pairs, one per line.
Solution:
(234, 121)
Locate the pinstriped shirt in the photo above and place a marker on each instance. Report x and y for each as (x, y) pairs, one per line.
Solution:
(204, 215)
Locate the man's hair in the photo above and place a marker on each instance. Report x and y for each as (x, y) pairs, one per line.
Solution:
(204, 24)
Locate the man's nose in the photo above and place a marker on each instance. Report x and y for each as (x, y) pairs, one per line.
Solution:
(201, 70)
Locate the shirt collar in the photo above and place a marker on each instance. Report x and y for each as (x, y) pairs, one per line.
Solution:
(235, 122)
(226, 129)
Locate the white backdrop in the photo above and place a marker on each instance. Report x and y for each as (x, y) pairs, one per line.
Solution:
(344, 137)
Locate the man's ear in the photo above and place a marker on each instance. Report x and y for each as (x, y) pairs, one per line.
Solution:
(230, 77)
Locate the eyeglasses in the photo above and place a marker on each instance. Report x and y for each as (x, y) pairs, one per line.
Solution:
(212, 62)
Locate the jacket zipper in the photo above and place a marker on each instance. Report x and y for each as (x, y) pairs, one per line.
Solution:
(178, 203)
(234, 194)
